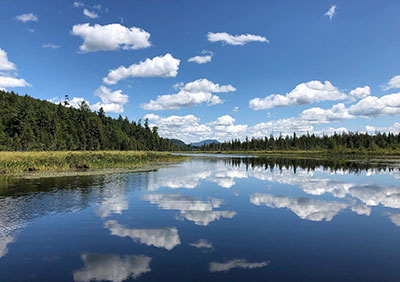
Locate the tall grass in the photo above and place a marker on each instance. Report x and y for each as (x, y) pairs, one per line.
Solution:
(18, 162)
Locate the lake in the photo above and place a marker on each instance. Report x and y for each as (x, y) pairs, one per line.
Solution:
(206, 219)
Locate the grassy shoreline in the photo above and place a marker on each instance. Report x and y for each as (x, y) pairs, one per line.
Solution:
(20, 163)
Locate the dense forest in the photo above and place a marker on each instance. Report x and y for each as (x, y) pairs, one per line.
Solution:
(28, 124)
(336, 142)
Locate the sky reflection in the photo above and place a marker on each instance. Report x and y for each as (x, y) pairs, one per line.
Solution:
(216, 218)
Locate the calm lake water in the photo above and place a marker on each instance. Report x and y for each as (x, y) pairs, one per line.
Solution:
(206, 219)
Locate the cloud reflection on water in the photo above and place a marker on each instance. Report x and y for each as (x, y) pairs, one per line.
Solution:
(167, 238)
(113, 205)
(192, 209)
(4, 242)
(206, 217)
(111, 267)
(235, 263)
(395, 218)
(305, 208)
(202, 244)
(373, 195)
(316, 182)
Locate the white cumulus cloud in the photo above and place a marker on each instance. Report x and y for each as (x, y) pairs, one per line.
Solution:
(304, 93)
(190, 94)
(337, 112)
(107, 96)
(112, 101)
(224, 127)
(224, 120)
(8, 72)
(6, 81)
(181, 100)
(190, 129)
(373, 106)
(204, 58)
(5, 64)
(393, 83)
(283, 126)
(110, 37)
(360, 92)
(90, 14)
(78, 4)
(75, 102)
(186, 128)
(395, 128)
(235, 39)
(331, 12)
(51, 46)
(27, 18)
(204, 85)
(161, 66)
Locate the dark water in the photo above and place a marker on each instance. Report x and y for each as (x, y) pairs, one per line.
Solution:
(222, 219)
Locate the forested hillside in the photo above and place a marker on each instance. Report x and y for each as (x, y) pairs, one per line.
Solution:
(31, 124)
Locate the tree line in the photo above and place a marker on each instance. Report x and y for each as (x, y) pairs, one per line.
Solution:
(28, 124)
(307, 142)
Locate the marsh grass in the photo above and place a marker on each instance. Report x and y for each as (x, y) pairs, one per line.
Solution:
(23, 162)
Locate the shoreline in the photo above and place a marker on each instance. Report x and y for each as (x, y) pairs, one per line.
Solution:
(70, 163)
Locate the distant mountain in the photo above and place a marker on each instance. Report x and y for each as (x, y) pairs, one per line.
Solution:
(178, 142)
(205, 142)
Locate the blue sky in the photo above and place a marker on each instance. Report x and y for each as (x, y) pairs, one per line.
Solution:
(267, 66)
